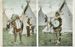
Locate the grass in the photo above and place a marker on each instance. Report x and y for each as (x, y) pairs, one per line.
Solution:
(26, 41)
(45, 39)
(48, 39)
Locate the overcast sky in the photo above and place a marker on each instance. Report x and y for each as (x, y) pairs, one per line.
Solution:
(17, 6)
(53, 5)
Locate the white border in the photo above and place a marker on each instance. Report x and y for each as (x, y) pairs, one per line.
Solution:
(1, 34)
(37, 23)
(1, 37)
(73, 23)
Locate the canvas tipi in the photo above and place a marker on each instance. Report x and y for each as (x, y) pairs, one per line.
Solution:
(67, 18)
(5, 19)
(41, 18)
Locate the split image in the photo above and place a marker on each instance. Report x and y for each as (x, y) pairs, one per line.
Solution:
(19, 23)
(54, 22)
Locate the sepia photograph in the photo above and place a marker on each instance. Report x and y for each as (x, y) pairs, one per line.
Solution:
(37, 23)
(55, 22)
(19, 23)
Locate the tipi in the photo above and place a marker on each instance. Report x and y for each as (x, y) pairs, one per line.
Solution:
(67, 18)
(5, 19)
(41, 18)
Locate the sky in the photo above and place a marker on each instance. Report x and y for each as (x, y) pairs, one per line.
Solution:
(53, 5)
(17, 7)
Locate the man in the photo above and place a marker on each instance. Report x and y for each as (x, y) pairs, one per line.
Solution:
(58, 29)
(28, 27)
(17, 26)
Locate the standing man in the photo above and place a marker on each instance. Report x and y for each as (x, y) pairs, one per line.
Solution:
(28, 27)
(17, 26)
(58, 29)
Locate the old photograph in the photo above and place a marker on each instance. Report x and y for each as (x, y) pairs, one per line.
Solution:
(19, 23)
(55, 22)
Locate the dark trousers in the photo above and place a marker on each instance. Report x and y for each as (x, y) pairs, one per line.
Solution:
(33, 29)
(58, 32)
(28, 31)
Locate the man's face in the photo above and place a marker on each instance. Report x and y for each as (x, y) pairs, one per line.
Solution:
(56, 17)
(17, 17)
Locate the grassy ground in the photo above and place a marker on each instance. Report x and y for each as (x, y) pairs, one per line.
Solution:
(48, 39)
(26, 41)
(45, 39)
